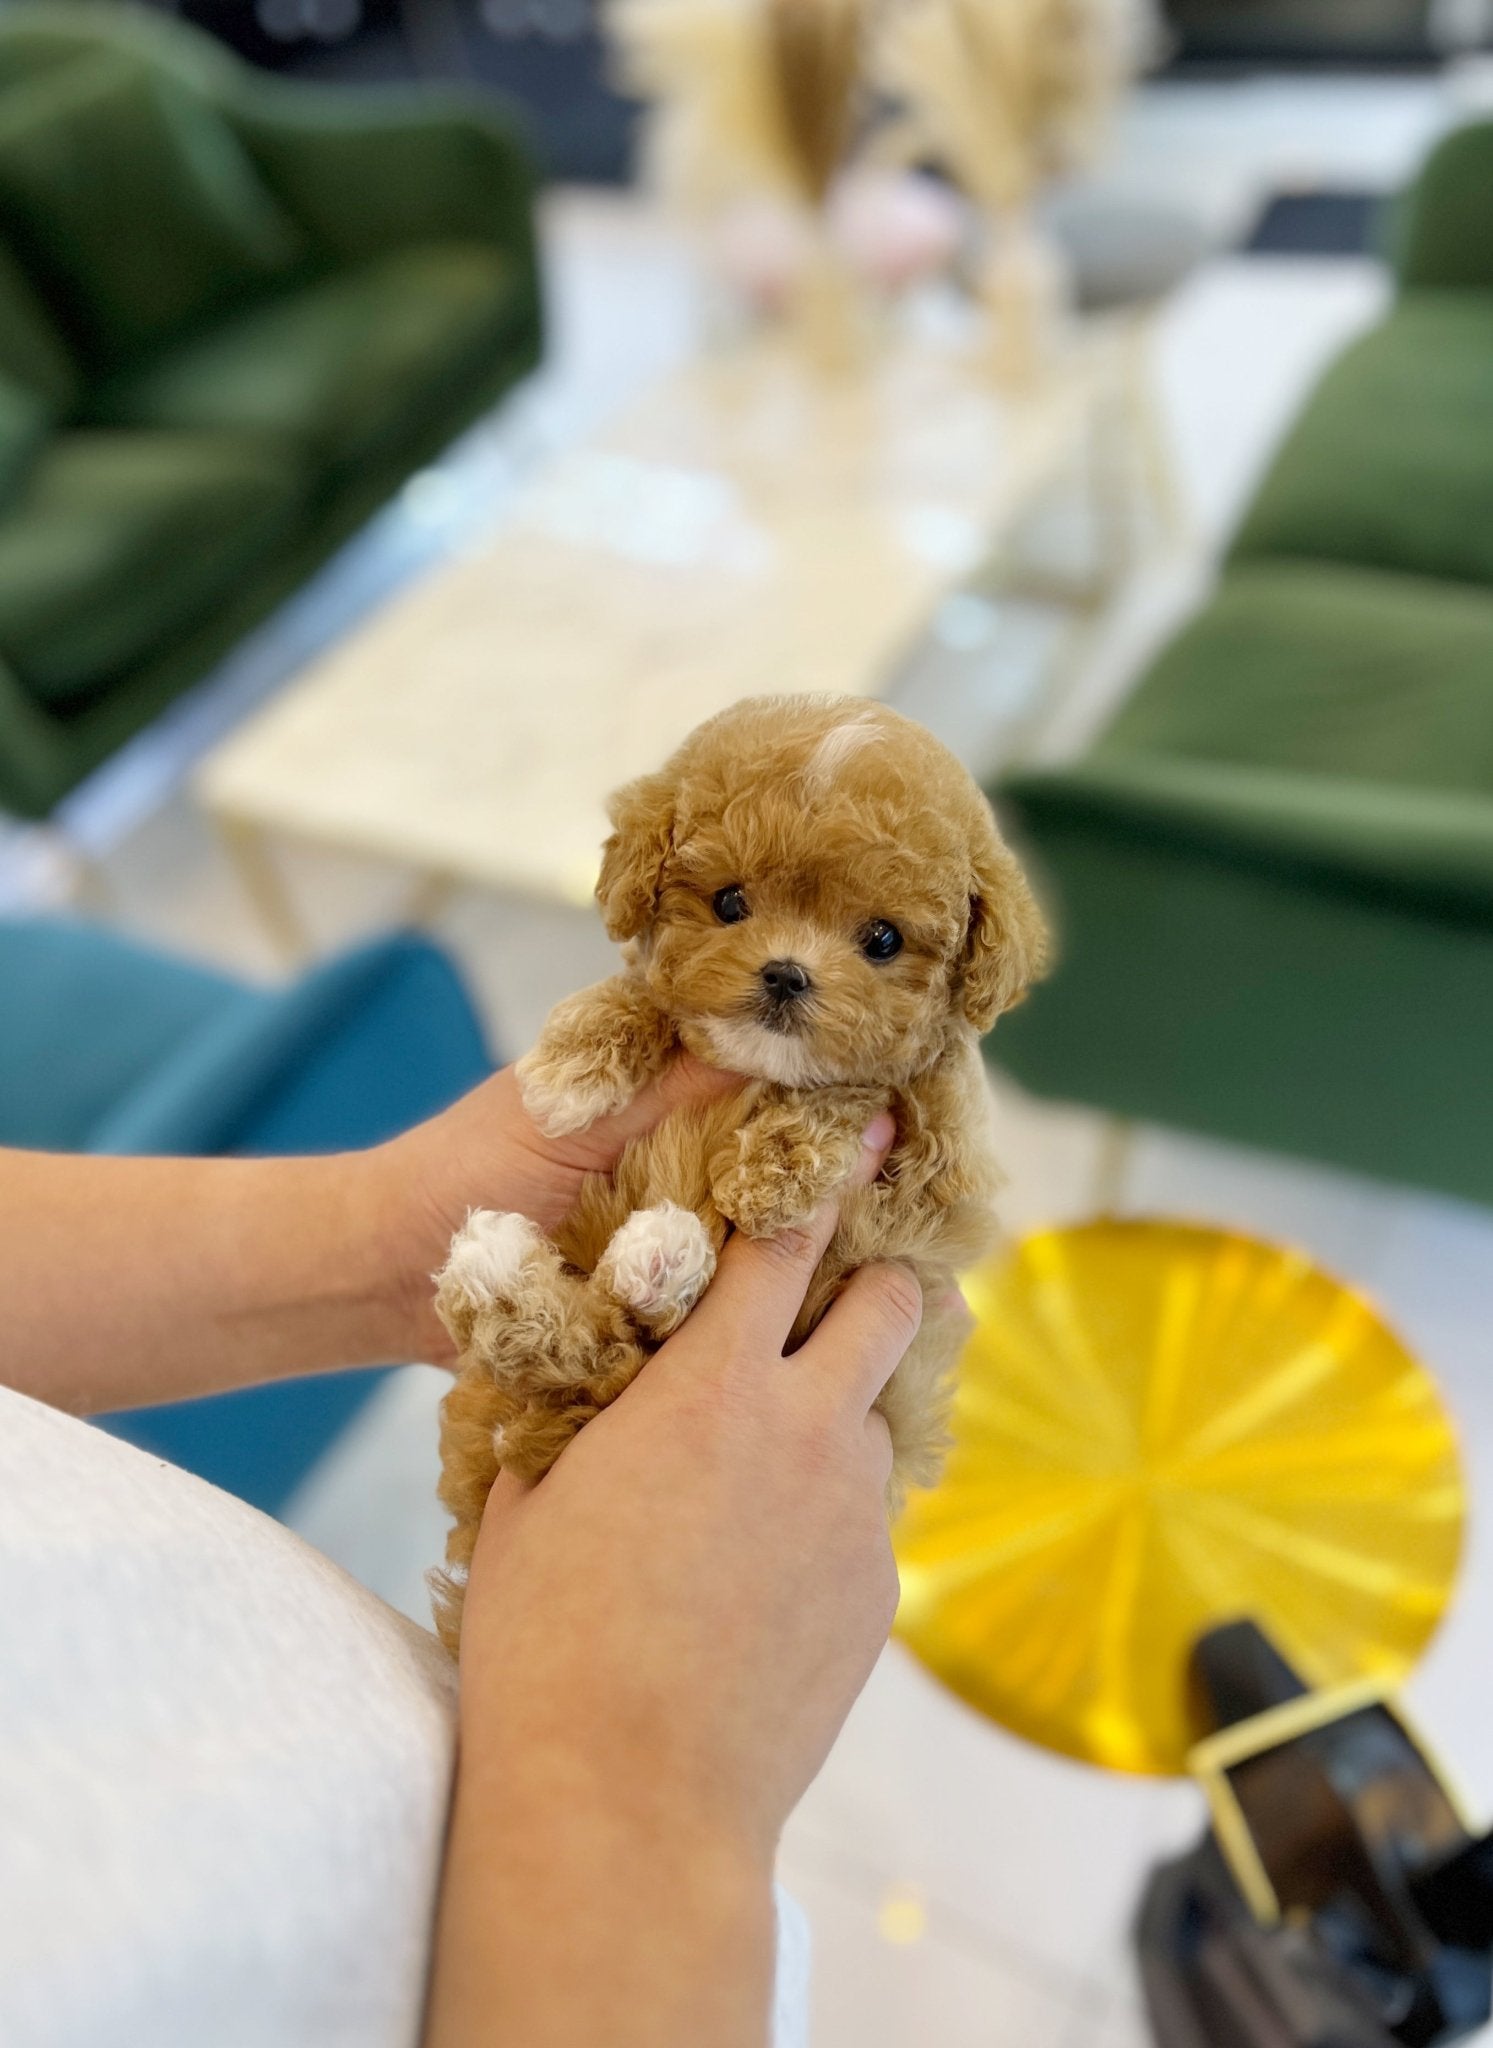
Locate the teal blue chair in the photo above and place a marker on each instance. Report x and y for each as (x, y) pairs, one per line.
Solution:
(106, 1046)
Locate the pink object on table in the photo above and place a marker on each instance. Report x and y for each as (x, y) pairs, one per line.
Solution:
(892, 228)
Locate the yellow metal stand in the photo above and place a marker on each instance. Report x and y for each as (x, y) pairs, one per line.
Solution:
(1160, 1427)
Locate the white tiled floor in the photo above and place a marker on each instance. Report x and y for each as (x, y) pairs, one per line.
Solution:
(963, 1889)
(1033, 1853)
(950, 1986)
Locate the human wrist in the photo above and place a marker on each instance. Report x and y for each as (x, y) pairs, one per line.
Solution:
(391, 1248)
(592, 1919)
(648, 1752)
(633, 1795)
(565, 1826)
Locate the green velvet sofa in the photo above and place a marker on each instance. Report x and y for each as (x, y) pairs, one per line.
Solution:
(1272, 875)
(235, 313)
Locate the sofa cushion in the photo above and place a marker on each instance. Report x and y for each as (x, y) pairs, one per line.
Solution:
(118, 541)
(1320, 669)
(346, 367)
(1256, 1000)
(41, 36)
(1391, 465)
(133, 204)
(1312, 721)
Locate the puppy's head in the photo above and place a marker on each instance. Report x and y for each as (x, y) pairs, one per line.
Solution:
(816, 888)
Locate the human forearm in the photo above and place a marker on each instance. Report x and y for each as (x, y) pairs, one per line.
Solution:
(580, 1906)
(135, 1280)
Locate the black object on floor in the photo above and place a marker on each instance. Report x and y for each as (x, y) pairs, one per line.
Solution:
(1338, 1900)
(1317, 224)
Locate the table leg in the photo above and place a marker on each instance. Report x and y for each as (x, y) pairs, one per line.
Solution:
(264, 885)
(433, 890)
(82, 875)
(93, 889)
(1113, 505)
(1155, 462)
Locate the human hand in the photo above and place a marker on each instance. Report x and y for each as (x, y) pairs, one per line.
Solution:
(676, 1619)
(486, 1152)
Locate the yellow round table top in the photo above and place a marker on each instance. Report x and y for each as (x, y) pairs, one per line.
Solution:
(1159, 1427)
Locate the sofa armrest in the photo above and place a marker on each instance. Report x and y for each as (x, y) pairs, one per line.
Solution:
(367, 172)
(1442, 231)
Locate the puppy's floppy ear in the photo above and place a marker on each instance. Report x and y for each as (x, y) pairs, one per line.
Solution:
(1006, 947)
(632, 860)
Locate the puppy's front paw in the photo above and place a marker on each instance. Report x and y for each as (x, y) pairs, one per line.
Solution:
(594, 1053)
(658, 1264)
(565, 1095)
(491, 1259)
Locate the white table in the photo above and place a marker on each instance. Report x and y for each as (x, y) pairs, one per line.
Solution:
(749, 525)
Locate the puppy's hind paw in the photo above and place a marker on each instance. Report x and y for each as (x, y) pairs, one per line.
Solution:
(658, 1264)
(487, 1263)
(773, 1187)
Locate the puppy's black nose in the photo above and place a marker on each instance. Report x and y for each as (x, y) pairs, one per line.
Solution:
(785, 979)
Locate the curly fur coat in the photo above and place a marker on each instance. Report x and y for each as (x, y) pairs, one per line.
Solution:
(811, 893)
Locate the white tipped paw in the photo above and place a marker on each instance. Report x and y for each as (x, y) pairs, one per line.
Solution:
(659, 1263)
(558, 1105)
(487, 1256)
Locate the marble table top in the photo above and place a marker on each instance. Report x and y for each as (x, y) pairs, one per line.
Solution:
(750, 525)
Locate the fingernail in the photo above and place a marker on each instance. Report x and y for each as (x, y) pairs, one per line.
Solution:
(879, 1133)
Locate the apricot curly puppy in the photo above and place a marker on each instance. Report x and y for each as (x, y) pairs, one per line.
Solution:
(812, 893)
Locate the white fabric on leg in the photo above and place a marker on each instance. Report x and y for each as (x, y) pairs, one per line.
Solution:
(790, 2006)
(224, 1766)
(224, 1769)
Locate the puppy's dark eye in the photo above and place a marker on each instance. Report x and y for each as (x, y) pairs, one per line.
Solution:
(730, 905)
(881, 941)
